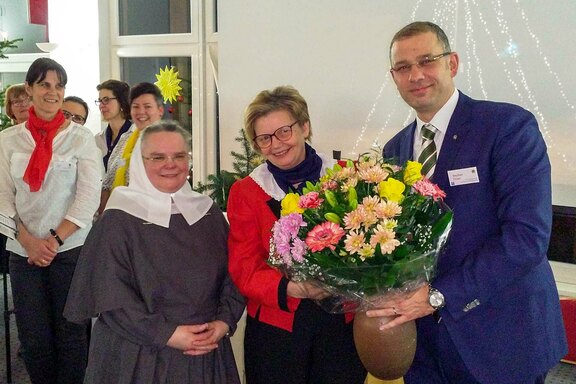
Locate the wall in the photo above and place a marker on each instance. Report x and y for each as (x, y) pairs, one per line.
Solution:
(336, 53)
(74, 28)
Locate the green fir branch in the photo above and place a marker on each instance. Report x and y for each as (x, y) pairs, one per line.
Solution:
(218, 185)
(8, 44)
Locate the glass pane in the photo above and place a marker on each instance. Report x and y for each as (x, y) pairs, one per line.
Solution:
(153, 17)
(215, 20)
(15, 24)
(139, 69)
(563, 239)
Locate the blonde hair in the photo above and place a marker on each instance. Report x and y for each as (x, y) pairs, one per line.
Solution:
(284, 97)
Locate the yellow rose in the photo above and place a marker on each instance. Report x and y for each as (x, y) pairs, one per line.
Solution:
(391, 190)
(290, 204)
(412, 172)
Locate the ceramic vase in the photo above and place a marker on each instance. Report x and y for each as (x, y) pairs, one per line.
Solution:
(387, 354)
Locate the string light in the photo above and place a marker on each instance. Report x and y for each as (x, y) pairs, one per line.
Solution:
(360, 137)
(503, 44)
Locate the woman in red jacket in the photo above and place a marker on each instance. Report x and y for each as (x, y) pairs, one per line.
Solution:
(289, 338)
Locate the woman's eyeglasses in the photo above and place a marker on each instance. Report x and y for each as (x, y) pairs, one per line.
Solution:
(104, 100)
(163, 159)
(283, 133)
(20, 102)
(75, 118)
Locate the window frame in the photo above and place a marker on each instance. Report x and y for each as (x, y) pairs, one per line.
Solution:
(199, 45)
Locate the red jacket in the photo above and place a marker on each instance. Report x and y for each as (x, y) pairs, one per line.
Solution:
(251, 221)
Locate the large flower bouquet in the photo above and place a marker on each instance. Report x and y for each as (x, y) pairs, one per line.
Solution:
(363, 231)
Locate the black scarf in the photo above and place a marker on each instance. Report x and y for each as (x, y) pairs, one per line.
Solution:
(307, 170)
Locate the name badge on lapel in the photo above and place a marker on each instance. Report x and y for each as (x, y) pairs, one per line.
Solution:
(463, 176)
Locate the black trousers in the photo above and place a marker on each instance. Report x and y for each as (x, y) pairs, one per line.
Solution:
(320, 350)
(54, 349)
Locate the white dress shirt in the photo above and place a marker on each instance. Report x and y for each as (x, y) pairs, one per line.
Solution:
(440, 121)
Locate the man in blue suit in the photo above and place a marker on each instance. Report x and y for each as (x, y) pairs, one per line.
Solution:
(491, 314)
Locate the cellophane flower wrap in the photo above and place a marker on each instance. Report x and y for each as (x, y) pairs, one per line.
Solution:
(364, 231)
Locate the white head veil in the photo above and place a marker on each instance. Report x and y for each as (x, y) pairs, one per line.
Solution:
(141, 199)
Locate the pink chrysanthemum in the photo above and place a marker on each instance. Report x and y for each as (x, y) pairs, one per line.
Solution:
(370, 202)
(291, 223)
(299, 250)
(373, 174)
(281, 242)
(329, 185)
(325, 235)
(354, 219)
(386, 238)
(354, 241)
(285, 234)
(388, 209)
(345, 173)
(426, 188)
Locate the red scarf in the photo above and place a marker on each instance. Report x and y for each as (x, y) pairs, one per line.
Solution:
(43, 133)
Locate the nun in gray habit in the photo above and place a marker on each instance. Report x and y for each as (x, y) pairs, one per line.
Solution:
(154, 272)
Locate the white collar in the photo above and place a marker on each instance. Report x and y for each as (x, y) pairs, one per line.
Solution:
(441, 119)
(263, 177)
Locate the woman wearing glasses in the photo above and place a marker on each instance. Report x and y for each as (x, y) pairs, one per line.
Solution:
(146, 108)
(114, 104)
(75, 109)
(50, 175)
(154, 269)
(289, 338)
(16, 103)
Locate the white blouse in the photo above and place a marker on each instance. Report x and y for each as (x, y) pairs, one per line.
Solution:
(71, 187)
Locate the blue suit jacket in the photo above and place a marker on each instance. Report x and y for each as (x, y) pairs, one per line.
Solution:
(502, 308)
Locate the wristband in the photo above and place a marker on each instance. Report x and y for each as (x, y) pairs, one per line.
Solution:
(55, 235)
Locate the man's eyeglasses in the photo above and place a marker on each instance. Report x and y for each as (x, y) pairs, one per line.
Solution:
(75, 118)
(20, 102)
(178, 158)
(283, 133)
(104, 100)
(405, 69)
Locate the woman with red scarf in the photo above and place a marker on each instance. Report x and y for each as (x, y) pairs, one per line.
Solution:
(50, 178)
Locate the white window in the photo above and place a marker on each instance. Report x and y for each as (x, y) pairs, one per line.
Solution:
(148, 35)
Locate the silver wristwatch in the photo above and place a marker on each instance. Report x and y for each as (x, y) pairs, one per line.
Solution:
(435, 298)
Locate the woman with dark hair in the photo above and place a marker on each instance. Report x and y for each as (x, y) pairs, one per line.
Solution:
(146, 108)
(75, 109)
(50, 175)
(114, 104)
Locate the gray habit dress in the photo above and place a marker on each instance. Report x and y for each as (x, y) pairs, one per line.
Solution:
(142, 280)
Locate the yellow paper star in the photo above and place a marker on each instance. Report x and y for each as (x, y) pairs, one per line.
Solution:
(168, 83)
